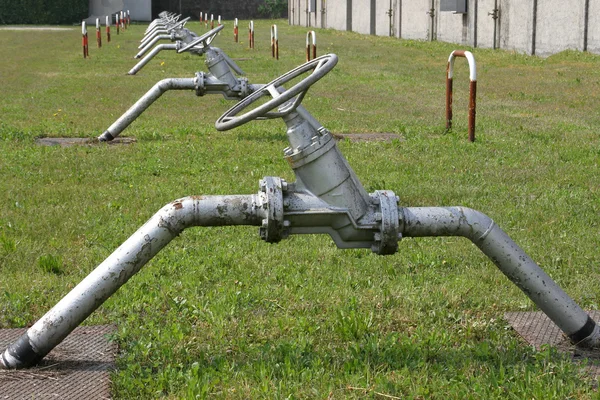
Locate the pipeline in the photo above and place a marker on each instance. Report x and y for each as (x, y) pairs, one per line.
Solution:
(144, 102)
(150, 56)
(510, 259)
(153, 42)
(123, 263)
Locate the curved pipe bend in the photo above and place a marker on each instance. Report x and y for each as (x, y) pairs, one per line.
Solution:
(510, 259)
(144, 102)
(122, 264)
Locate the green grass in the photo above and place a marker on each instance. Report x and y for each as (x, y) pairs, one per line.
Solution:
(220, 314)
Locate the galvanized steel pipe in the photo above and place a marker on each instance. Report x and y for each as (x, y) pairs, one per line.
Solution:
(512, 261)
(472, 89)
(143, 103)
(152, 43)
(123, 263)
(150, 56)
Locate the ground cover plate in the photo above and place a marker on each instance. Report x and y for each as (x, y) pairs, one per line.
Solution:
(78, 368)
(538, 330)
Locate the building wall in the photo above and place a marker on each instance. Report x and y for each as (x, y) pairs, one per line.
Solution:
(540, 27)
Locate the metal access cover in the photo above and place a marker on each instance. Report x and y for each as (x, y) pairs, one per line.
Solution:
(78, 368)
(538, 330)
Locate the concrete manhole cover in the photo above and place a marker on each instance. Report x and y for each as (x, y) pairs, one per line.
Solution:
(67, 142)
(538, 330)
(78, 368)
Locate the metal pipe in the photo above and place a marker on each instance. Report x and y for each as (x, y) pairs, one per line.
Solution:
(586, 24)
(534, 28)
(144, 102)
(150, 56)
(123, 263)
(152, 43)
(431, 14)
(146, 39)
(510, 259)
(390, 13)
(472, 90)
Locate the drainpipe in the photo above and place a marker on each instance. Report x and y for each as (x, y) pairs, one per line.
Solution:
(586, 24)
(534, 29)
(390, 14)
(431, 14)
(495, 14)
(123, 263)
(512, 261)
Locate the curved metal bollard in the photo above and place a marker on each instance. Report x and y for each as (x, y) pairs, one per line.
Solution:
(311, 45)
(472, 89)
(251, 35)
(274, 42)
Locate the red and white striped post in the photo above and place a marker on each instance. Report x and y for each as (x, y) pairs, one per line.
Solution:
(128, 19)
(200, 16)
(274, 42)
(235, 30)
(206, 20)
(98, 33)
(212, 22)
(122, 21)
(117, 24)
(311, 36)
(108, 29)
(472, 89)
(84, 39)
(251, 34)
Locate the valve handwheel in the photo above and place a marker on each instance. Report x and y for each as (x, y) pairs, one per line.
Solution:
(205, 39)
(320, 66)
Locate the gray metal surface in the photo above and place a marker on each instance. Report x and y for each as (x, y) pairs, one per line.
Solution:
(538, 330)
(79, 368)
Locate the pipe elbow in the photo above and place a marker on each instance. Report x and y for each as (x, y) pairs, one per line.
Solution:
(446, 221)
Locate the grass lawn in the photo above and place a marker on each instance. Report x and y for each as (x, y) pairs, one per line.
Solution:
(221, 314)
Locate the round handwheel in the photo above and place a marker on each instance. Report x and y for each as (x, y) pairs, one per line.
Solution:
(320, 66)
(205, 39)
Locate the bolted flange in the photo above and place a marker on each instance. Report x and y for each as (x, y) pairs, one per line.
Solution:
(271, 194)
(386, 240)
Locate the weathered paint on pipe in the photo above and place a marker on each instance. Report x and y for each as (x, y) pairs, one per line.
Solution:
(107, 29)
(311, 44)
(251, 34)
(235, 30)
(472, 89)
(123, 263)
(274, 42)
(510, 259)
(144, 102)
(150, 56)
(98, 34)
(84, 40)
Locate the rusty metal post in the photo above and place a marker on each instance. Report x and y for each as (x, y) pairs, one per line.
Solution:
(98, 34)
(235, 30)
(218, 20)
(251, 34)
(108, 29)
(117, 23)
(274, 42)
(84, 40)
(311, 39)
(212, 22)
(206, 20)
(128, 19)
(472, 90)
(200, 16)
